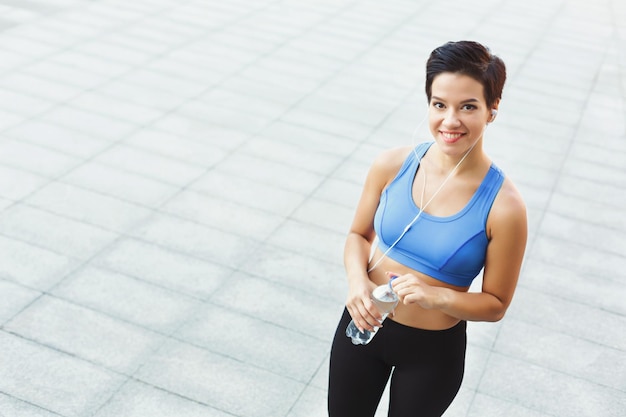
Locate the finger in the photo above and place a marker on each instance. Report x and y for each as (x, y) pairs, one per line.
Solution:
(357, 319)
(370, 315)
(401, 286)
(413, 297)
(392, 275)
(400, 281)
(357, 311)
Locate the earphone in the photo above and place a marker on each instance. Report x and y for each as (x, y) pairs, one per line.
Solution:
(494, 113)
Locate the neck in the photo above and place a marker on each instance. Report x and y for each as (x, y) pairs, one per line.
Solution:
(444, 164)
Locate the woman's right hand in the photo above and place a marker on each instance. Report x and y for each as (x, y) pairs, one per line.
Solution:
(361, 307)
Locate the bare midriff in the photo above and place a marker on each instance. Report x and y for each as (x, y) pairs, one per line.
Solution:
(412, 314)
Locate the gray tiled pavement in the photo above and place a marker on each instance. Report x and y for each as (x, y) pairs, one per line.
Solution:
(177, 176)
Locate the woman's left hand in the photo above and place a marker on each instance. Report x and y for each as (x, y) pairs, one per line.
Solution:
(413, 290)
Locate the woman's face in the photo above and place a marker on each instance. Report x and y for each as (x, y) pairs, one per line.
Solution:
(458, 112)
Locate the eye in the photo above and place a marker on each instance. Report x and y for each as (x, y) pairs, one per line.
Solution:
(468, 107)
(438, 105)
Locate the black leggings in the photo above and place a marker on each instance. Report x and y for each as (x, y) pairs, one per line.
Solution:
(427, 370)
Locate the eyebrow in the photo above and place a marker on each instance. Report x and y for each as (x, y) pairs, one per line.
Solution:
(470, 100)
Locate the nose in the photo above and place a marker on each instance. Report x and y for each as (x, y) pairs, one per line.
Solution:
(451, 118)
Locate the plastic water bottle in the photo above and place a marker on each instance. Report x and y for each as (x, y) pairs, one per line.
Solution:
(386, 300)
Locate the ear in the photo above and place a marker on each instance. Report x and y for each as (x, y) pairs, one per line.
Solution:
(494, 111)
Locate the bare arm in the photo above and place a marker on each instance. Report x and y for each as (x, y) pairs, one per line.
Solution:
(507, 227)
(361, 235)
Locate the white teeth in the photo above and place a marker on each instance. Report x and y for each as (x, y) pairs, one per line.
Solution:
(451, 135)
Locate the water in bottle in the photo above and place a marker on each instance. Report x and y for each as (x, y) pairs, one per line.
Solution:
(386, 300)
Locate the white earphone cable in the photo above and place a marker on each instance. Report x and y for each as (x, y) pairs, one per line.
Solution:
(423, 206)
(421, 210)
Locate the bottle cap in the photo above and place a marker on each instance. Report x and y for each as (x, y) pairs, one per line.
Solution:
(391, 280)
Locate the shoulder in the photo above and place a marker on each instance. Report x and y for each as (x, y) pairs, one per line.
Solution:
(387, 164)
(393, 156)
(509, 210)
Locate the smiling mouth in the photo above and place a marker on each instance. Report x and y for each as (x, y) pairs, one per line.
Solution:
(451, 136)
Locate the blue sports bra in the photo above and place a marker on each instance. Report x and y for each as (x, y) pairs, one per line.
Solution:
(451, 249)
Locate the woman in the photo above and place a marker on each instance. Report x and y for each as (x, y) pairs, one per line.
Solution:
(442, 212)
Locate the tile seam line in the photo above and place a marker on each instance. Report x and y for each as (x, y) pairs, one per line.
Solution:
(572, 301)
(556, 371)
(33, 7)
(66, 102)
(240, 70)
(177, 329)
(93, 158)
(359, 143)
(205, 301)
(602, 226)
(139, 127)
(547, 22)
(81, 40)
(29, 403)
(244, 67)
(252, 135)
(235, 149)
(373, 130)
(167, 337)
(309, 29)
(157, 209)
(83, 264)
(568, 153)
(125, 23)
(129, 236)
(100, 367)
(539, 410)
(308, 384)
(112, 144)
(606, 204)
(131, 276)
(620, 44)
(57, 178)
(133, 146)
(618, 253)
(620, 169)
(152, 211)
(618, 41)
(229, 268)
(74, 303)
(65, 277)
(136, 380)
(104, 249)
(37, 246)
(560, 332)
(48, 291)
(604, 278)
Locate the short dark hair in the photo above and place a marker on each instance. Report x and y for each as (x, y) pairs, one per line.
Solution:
(471, 59)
